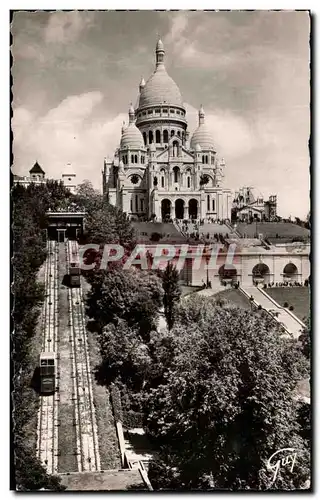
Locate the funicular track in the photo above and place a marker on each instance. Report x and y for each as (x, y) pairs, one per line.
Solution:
(87, 447)
(47, 443)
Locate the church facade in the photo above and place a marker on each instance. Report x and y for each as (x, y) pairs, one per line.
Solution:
(158, 172)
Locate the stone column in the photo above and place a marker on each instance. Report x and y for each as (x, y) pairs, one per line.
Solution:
(172, 214)
(185, 210)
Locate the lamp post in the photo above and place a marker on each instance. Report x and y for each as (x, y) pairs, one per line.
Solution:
(207, 256)
(251, 301)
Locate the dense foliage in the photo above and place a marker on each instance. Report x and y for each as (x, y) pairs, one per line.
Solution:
(104, 222)
(224, 404)
(129, 294)
(305, 339)
(29, 252)
(172, 293)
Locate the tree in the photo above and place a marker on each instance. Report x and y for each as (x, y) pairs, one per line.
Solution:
(224, 404)
(88, 197)
(305, 339)
(172, 292)
(132, 295)
(204, 179)
(125, 356)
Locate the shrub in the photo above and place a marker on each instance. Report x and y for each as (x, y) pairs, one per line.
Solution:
(115, 395)
(291, 308)
(155, 237)
(132, 419)
(259, 307)
(285, 304)
(264, 286)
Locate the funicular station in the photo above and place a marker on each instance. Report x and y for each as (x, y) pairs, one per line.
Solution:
(65, 224)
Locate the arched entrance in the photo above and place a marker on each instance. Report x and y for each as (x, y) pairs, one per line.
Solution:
(165, 209)
(179, 209)
(261, 273)
(290, 272)
(228, 273)
(193, 209)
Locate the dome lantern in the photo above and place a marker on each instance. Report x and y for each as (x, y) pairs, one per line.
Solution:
(201, 115)
(142, 85)
(160, 53)
(131, 114)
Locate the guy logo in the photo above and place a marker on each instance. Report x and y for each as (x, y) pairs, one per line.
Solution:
(274, 463)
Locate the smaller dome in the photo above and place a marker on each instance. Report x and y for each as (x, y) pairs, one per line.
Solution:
(198, 147)
(202, 136)
(132, 138)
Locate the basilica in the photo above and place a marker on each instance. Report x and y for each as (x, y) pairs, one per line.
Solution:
(158, 172)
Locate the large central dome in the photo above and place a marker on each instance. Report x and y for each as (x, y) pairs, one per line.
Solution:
(160, 88)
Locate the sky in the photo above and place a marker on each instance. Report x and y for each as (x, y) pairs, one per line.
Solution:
(75, 74)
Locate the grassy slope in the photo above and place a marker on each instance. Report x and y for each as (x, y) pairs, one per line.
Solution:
(235, 297)
(298, 297)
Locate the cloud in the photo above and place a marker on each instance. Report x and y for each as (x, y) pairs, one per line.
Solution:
(70, 133)
(64, 27)
(259, 152)
(231, 133)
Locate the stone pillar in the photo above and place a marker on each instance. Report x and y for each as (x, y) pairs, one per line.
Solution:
(220, 206)
(125, 202)
(202, 208)
(185, 211)
(172, 208)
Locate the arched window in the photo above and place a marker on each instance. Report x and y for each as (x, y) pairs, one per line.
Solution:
(131, 205)
(179, 133)
(188, 181)
(158, 137)
(208, 203)
(172, 133)
(175, 148)
(206, 158)
(150, 137)
(132, 159)
(162, 173)
(145, 138)
(213, 206)
(202, 158)
(176, 173)
(137, 206)
(165, 136)
(142, 159)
